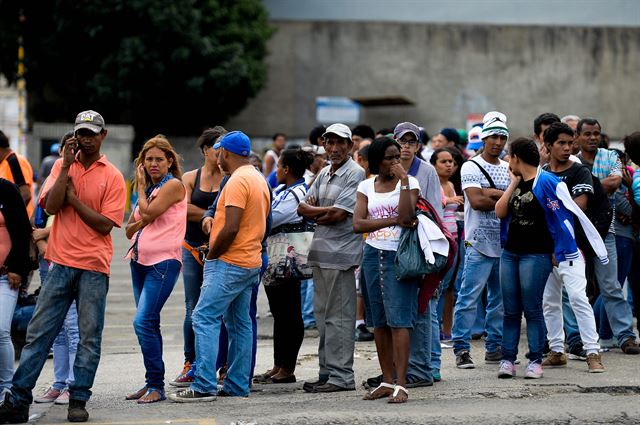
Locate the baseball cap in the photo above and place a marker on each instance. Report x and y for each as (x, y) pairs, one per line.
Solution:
(315, 149)
(404, 128)
(475, 142)
(54, 148)
(236, 142)
(90, 120)
(339, 130)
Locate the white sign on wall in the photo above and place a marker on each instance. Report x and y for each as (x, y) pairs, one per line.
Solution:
(330, 110)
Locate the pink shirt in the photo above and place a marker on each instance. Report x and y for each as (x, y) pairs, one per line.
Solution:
(5, 240)
(161, 239)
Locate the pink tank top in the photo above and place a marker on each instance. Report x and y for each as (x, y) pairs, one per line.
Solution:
(5, 240)
(161, 239)
(449, 216)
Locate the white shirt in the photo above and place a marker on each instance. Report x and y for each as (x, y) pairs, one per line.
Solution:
(384, 205)
(482, 228)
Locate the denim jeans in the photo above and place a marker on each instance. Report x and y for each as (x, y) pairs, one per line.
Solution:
(420, 347)
(226, 291)
(192, 278)
(253, 312)
(152, 286)
(64, 285)
(65, 348)
(523, 278)
(8, 298)
(306, 293)
(479, 272)
(436, 349)
(615, 305)
(624, 251)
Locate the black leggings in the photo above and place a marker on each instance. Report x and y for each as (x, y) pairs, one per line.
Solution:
(288, 328)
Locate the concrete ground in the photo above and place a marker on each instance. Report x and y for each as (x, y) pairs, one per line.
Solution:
(564, 396)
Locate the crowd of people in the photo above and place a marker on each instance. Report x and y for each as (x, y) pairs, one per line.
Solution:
(429, 242)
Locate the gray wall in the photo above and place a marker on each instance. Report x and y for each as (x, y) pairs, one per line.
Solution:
(449, 71)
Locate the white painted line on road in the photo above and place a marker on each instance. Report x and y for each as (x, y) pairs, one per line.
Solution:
(154, 422)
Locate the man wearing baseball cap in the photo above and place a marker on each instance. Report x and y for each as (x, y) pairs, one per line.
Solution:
(484, 180)
(231, 271)
(87, 194)
(334, 254)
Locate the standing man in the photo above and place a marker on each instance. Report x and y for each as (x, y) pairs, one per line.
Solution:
(16, 169)
(484, 180)
(605, 165)
(231, 271)
(570, 273)
(87, 194)
(334, 254)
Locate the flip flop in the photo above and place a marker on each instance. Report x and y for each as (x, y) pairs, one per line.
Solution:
(135, 396)
(371, 395)
(393, 399)
(142, 400)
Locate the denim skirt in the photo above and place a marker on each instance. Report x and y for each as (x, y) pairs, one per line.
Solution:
(388, 301)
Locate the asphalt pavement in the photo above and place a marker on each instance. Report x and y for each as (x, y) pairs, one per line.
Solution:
(564, 396)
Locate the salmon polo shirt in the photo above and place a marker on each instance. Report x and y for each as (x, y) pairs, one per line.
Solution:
(72, 242)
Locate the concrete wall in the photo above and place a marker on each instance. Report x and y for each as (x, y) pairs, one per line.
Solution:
(449, 71)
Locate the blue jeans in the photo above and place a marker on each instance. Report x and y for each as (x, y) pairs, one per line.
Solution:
(253, 312)
(436, 349)
(523, 278)
(306, 292)
(8, 298)
(479, 272)
(152, 286)
(192, 278)
(420, 347)
(65, 348)
(64, 285)
(615, 305)
(226, 291)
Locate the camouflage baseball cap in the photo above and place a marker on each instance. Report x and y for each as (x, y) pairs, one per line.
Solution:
(90, 120)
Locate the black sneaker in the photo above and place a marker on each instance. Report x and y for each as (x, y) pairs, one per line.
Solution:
(311, 386)
(463, 360)
(577, 352)
(77, 411)
(191, 396)
(363, 334)
(10, 413)
(493, 357)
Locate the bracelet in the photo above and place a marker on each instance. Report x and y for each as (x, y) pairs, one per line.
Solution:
(405, 187)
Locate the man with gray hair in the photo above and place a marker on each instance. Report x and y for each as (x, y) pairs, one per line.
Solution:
(334, 254)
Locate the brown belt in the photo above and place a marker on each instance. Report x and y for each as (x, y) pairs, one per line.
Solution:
(195, 251)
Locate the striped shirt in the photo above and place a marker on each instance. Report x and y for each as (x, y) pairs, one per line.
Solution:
(336, 246)
(605, 164)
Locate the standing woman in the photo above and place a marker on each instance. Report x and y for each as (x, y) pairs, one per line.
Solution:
(156, 229)
(385, 204)
(526, 263)
(284, 294)
(15, 233)
(202, 187)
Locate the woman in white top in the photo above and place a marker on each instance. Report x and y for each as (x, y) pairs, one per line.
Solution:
(271, 156)
(384, 205)
(284, 294)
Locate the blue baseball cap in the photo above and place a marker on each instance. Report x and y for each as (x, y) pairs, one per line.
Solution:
(236, 142)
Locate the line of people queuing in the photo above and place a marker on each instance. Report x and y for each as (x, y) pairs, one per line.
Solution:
(558, 203)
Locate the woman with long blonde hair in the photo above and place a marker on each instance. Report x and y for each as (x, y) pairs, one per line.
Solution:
(156, 228)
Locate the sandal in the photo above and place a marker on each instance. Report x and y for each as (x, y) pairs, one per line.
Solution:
(136, 396)
(146, 400)
(396, 397)
(378, 393)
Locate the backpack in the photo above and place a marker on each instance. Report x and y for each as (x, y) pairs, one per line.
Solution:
(430, 282)
(600, 213)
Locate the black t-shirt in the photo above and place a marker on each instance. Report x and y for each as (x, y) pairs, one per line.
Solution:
(528, 230)
(577, 178)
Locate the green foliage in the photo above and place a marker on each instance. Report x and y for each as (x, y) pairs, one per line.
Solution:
(166, 66)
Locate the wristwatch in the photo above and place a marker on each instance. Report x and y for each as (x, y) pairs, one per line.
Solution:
(405, 187)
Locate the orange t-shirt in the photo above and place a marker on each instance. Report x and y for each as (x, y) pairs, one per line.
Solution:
(27, 172)
(246, 189)
(72, 242)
